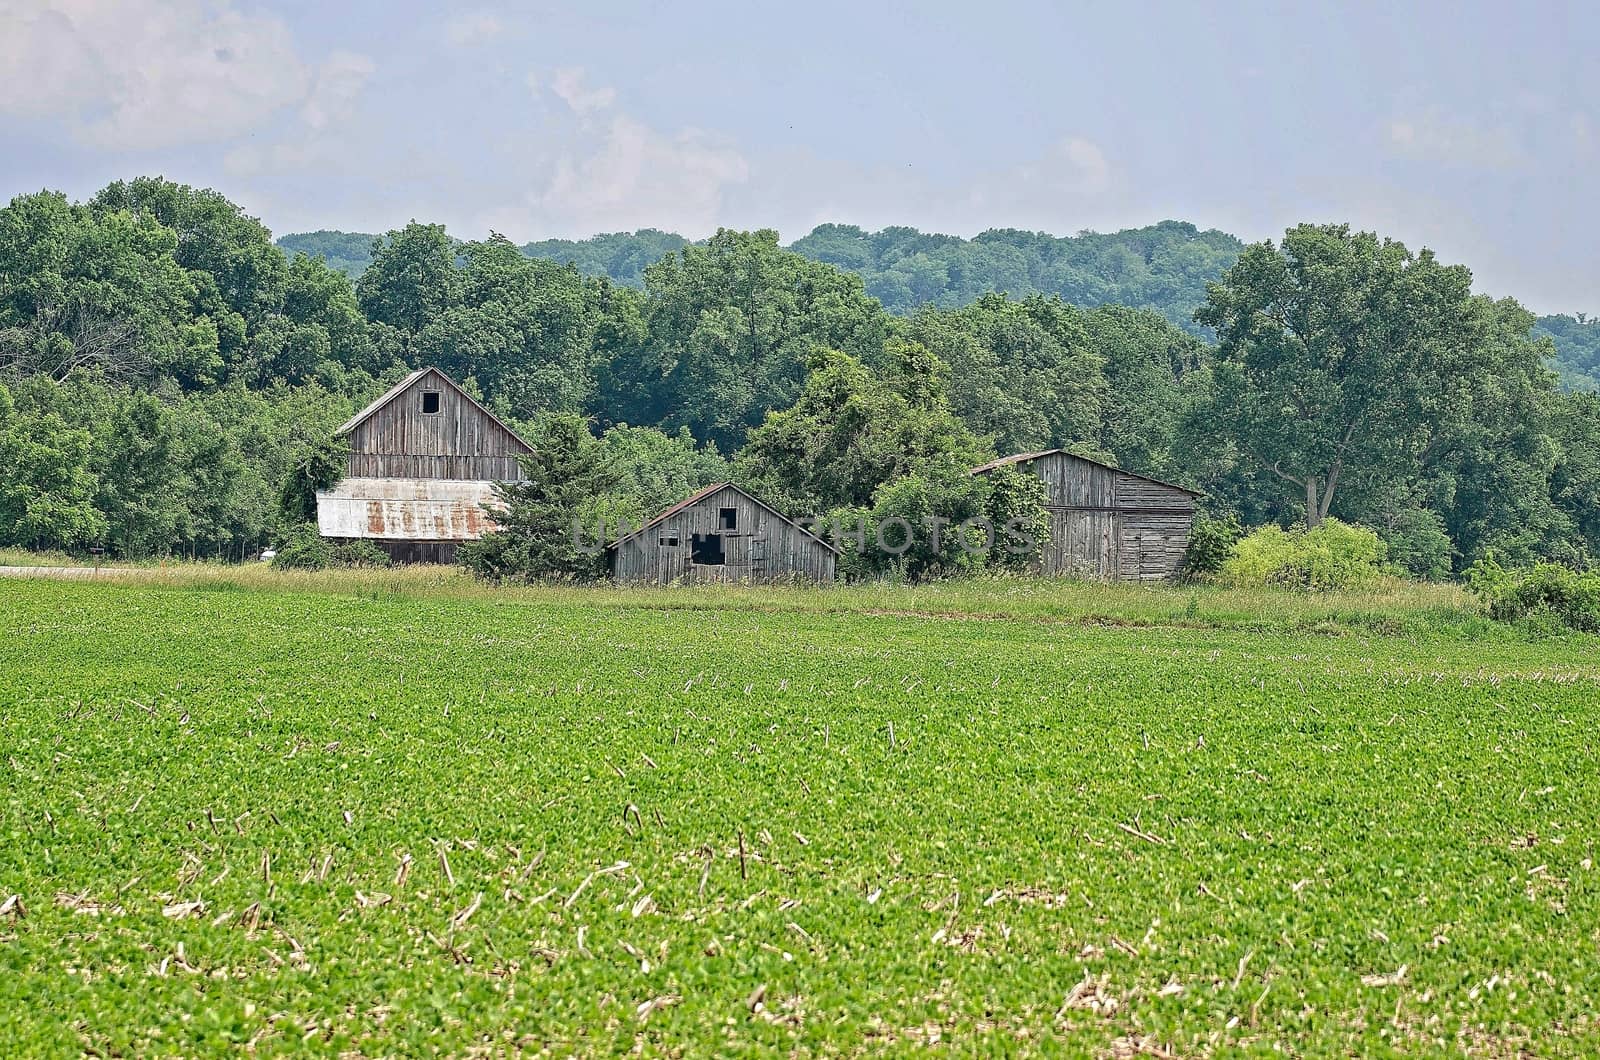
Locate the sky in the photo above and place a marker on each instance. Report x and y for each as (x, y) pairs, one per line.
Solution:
(1471, 128)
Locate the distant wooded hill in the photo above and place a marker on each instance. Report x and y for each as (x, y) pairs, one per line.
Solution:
(1163, 267)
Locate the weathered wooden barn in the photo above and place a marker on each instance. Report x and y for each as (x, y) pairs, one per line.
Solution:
(1105, 522)
(424, 459)
(725, 534)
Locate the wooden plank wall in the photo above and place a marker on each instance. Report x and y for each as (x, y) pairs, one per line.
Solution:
(1109, 524)
(1073, 483)
(1083, 544)
(460, 441)
(412, 465)
(763, 547)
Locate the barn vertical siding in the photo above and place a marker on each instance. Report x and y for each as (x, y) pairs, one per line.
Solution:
(416, 482)
(460, 441)
(762, 547)
(1110, 524)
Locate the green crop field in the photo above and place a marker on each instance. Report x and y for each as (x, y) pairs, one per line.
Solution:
(395, 815)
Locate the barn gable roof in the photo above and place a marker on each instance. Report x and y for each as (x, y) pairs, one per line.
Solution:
(700, 495)
(405, 384)
(1024, 458)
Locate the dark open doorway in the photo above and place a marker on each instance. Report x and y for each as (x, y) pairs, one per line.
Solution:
(705, 550)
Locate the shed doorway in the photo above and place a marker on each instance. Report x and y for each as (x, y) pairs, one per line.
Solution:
(705, 550)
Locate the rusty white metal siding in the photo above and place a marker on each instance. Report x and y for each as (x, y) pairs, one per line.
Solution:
(417, 480)
(406, 509)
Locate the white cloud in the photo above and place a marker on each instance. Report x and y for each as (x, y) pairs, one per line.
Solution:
(1432, 135)
(150, 74)
(473, 28)
(1581, 131)
(339, 83)
(617, 172)
(568, 84)
(1069, 187)
(1073, 166)
(638, 177)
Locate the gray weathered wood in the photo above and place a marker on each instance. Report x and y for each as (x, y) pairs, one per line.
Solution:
(460, 441)
(433, 452)
(1107, 523)
(761, 546)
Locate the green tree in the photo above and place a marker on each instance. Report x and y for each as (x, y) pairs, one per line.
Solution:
(317, 466)
(849, 432)
(621, 257)
(1575, 356)
(728, 330)
(102, 290)
(926, 523)
(1337, 351)
(1148, 362)
(540, 518)
(1575, 479)
(348, 253)
(46, 487)
(1023, 372)
(655, 470)
(412, 279)
(238, 274)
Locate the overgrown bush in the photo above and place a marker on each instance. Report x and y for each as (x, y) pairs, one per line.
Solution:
(306, 549)
(1335, 555)
(1538, 594)
(1418, 544)
(939, 520)
(1211, 541)
(360, 553)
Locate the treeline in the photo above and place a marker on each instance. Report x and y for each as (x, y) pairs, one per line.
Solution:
(1577, 349)
(169, 375)
(1164, 268)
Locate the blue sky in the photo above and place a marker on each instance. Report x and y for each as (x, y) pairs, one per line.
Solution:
(1470, 128)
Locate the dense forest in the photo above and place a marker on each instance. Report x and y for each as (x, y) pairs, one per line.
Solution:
(1577, 349)
(169, 378)
(1164, 268)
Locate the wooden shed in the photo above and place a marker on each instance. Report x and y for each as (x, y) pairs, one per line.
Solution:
(423, 462)
(1105, 522)
(724, 534)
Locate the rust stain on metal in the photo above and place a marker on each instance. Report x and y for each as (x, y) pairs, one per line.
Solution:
(406, 509)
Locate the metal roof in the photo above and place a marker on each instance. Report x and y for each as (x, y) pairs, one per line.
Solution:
(1023, 458)
(399, 388)
(406, 509)
(700, 495)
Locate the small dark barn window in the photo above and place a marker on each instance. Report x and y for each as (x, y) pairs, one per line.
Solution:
(728, 518)
(705, 550)
(670, 540)
(430, 402)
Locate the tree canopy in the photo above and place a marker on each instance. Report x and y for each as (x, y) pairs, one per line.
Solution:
(172, 379)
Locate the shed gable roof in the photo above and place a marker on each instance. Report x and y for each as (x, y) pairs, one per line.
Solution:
(405, 384)
(1024, 458)
(716, 487)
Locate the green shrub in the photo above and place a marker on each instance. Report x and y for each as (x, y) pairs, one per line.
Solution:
(1335, 555)
(360, 553)
(1211, 541)
(1418, 544)
(306, 549)
(1540, 595)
